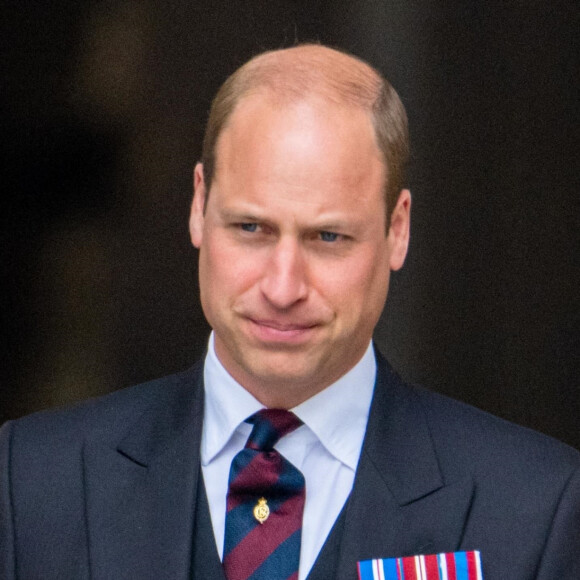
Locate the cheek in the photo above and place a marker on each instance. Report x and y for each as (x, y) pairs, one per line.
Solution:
(360, 288)
(226, 269)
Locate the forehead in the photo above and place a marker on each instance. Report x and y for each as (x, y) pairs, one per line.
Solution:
(269, 134)
(304, 158)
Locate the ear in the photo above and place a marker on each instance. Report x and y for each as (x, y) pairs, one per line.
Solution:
(399, 230)
(196, 217)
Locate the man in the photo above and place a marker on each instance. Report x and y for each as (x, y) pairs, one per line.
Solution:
(299, 214)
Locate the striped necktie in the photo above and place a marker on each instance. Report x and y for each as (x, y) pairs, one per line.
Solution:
(265, 503)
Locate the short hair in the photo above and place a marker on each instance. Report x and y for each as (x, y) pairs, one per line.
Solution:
(310, 70)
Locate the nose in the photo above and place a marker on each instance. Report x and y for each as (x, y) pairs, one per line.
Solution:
(284, 282)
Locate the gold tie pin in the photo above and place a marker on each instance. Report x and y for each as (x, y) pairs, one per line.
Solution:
(261, 510)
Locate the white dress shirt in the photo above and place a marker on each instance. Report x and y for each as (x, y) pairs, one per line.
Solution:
(326, 449)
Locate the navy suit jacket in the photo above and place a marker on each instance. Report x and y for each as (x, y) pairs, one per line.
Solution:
(108, 489)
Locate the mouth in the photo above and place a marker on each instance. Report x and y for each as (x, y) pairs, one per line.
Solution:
(273, 331)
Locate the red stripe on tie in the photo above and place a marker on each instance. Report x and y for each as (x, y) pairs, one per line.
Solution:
(261, 473)
(432, 567)
(264, 539)
(293, 576)
(451, 569)
(471, 566)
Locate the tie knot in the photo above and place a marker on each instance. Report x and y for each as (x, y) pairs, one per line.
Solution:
(270, 425)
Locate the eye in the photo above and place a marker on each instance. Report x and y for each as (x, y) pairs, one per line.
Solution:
(249, 227)
(329, 236)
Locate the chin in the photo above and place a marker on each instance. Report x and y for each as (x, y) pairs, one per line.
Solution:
(282, 374)
(279, 366)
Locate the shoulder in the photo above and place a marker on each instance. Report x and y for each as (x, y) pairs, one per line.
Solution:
(64, 429)
(469, 435)
(470, 441)
(526, 485)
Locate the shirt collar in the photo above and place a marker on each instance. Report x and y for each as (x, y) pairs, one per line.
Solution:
(341, 432)
(227, 404)
(338, 415)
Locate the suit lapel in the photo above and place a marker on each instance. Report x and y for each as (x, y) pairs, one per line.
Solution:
(141, 491)
(400, 504)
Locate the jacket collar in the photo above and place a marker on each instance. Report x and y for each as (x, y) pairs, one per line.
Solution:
(141, 490)
(401, 503)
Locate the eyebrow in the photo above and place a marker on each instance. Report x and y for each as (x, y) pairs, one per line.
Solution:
(333, 225)
(326, 224)
(241, 215)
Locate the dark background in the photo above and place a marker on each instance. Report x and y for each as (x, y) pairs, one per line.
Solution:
(103, 109)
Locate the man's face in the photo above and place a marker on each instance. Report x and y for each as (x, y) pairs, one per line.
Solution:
(294, 259)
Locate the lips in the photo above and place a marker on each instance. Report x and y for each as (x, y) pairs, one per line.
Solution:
(275, 331)
(282, 326)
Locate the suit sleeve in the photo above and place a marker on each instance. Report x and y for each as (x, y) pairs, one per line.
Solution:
(6, 515)
(561, 556)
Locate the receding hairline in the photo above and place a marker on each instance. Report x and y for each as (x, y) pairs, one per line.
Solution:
(311, 70)
(287, 76)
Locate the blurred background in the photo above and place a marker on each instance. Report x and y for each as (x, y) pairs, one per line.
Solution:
(103, 109)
